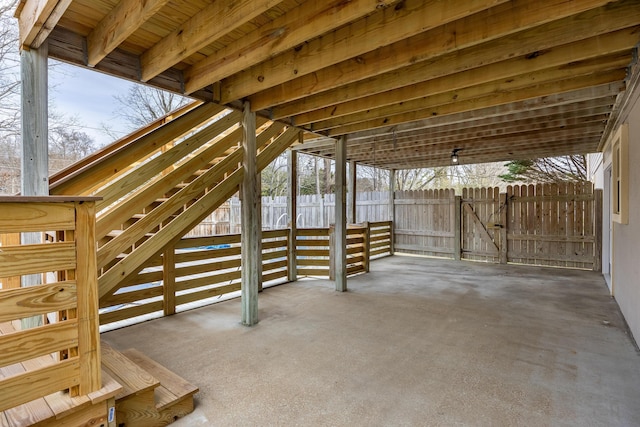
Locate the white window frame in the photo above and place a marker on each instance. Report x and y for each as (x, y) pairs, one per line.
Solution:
(620, 175)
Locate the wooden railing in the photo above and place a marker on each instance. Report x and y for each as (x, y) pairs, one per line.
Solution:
(194, 269)
(59, 347)
(380, 239)
(199, 269)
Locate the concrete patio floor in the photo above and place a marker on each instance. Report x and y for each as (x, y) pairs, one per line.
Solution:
(414, 342)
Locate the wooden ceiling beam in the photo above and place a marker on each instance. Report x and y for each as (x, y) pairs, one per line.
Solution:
(567, 149)
(214, 21)
(494, 99)
(511, 121)
(498, 22)
(498, 87)
(36, 20)
(469, 136)
(122, 21)
(604, 95)
(617, 42)
(386, 26)
(305, 22)
(522, 149)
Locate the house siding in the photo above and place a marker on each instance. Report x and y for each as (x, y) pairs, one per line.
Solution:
(626, 237)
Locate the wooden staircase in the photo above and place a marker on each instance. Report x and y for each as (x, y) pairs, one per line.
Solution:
(156, 186)
(151, 395)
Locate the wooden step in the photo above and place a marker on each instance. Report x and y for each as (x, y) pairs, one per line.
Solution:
(133, 378)
(173, 388)
(58, 409)
(152, 396)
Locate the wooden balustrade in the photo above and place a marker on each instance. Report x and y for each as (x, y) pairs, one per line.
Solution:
(198, 269)
(62, 352)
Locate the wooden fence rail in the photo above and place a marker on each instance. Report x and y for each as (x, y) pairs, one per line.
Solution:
(60, 350)
(199, 269)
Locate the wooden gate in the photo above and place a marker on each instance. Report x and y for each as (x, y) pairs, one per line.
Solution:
(483, 218)
(547, 224)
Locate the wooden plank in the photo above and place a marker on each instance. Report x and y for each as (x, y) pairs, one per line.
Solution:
(204, 268)
(131, 312)
(274, 244)
(500, 32)
(313, 253)
(551, 238)
(31, 343)
(37, 19)
(383, 27)
(480, 228)
(297, 26)
(597, 215)
(30, 259)
(134, 379)
(121, 21)
(313, 262)
(210, 280)
(292, 209)
(274, 255)
(504, 229)
(313, 232)
(198, 32)
(132, 296)
(306, 243)
(178, 386)
(25, 302)
(169, 281)
(280, 274)
(36, 217)
(208, 254)
(87, 306)
(31, 385)
(207, 293)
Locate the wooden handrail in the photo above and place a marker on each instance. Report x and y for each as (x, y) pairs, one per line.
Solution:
(116, 145)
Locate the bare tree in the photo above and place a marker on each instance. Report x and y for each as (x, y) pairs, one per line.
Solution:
(144, 104)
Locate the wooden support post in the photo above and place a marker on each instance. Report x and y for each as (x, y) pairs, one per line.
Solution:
(367, 247)
(292, 213)
(35, 145)
(169, 281)
(258, 218)
(392, 209)
(597, 216)
(87, 294)
(251, 215)
(504, 228)
(340, 249)
(351, 192)
(457, 228)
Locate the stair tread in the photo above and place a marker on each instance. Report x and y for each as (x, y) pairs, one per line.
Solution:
(172, 388)
(56, 405)
(133, 378)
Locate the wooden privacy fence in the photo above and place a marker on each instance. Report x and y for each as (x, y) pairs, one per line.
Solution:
(60, 349)
(199, 269)
(547, 224)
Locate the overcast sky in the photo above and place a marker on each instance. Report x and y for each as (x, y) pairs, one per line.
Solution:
(88, 95)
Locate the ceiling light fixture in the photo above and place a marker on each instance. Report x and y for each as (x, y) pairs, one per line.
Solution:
(454, 156)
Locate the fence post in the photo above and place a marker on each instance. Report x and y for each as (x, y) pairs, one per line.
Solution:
(392, 209)
(457, 228)
(597, 244)
(87, 294)
(366, 247)
(504, 228)
(292, 213)
(332, 252)
(169, 280)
